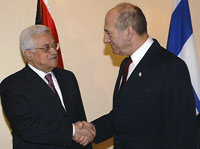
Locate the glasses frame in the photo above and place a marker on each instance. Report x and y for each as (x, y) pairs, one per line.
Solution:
(48, 48)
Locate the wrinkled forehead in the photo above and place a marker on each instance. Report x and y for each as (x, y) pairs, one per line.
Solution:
(42, 38)
(111, 17)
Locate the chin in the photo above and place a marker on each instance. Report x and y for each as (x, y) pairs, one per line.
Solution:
(54, 61)
(53, 65)
(115, 51)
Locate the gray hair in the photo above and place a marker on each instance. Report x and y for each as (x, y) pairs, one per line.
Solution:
(26, 42)
(130, 15)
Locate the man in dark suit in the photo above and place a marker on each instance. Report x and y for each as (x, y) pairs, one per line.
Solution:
(153, 105)
(43, 103)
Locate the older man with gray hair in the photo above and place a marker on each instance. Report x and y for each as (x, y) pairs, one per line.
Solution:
(43, 103)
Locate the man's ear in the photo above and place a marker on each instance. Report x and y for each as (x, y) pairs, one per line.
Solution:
(130, 32)
(28, 54)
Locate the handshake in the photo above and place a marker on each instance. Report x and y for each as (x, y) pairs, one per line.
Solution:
(85, 132)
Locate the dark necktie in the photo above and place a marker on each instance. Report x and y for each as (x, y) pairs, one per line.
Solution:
(50, 83)
(125, 72)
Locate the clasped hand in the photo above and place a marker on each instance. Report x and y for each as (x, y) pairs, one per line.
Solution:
(84, 132)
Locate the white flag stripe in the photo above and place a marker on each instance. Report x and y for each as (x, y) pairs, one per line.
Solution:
(46, 3)
(176, 3)
(188, 54)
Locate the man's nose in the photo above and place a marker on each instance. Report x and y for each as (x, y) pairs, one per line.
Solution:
(106, 38)
(53, 50)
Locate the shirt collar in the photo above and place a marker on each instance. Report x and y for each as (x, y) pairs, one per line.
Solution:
(39, 72)
(140, 52)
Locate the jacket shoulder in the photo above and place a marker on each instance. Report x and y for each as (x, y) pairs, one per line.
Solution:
(12, 80)
(63, 72)
(166, 56)
(17, 76)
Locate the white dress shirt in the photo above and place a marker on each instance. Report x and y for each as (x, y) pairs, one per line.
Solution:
(138, 55)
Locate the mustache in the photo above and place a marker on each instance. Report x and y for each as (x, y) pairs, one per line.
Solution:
(52, 56)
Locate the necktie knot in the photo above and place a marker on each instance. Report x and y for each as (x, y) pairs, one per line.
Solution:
(48, 77)
(128, 62)
(125, 72)
(50, 83)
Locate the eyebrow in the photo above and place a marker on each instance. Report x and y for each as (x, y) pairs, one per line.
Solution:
(47, 44)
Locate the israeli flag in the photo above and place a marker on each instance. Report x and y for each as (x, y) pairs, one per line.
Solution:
(181, 43)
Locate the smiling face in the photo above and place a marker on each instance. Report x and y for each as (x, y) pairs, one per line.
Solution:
(117, 39)
(37, 57)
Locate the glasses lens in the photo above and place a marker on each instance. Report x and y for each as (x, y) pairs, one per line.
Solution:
(57, 46)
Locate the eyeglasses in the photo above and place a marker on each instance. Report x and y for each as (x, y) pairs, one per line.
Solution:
(48, 48)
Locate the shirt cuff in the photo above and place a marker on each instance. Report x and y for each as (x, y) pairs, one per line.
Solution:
(73, 132)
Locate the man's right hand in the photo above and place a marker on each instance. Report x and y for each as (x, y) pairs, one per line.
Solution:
(84, 132)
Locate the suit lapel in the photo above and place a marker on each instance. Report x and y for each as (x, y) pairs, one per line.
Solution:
(62, 86)
(40, 87)
(34, 81)
(116, 90)
(138, 76)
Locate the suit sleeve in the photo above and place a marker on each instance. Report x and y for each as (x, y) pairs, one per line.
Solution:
(28, 128)
(179, 110)
(77, 112)
(77, 108)
(104, 127)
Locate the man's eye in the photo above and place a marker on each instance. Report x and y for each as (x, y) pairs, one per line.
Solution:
(46, 48)
(54, 45)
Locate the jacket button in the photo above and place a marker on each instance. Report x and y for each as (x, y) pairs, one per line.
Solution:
(116, 132)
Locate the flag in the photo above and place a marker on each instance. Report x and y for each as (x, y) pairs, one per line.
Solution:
(181, 43)
(43, 17)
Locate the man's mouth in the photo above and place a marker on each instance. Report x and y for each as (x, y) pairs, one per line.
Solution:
(53, 57)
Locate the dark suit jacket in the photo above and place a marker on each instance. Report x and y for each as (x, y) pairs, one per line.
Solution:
(155, 109)
(35, 113)
(198, 131)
